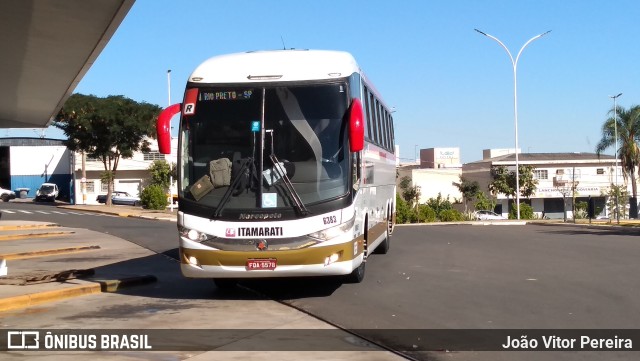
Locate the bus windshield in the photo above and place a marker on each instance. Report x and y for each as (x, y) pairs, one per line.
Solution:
(305, 142)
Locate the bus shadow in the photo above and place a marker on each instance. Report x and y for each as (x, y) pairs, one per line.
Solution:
(282, 289)
(170, 284)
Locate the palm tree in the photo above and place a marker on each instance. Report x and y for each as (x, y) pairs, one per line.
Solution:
(628, 128)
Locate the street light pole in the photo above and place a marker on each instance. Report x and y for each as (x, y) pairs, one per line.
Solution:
(514, 63)
(169, 86)
(615, 151)
(171, 175)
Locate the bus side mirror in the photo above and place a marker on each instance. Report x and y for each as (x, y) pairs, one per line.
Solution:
(356, 126)
(163, 127)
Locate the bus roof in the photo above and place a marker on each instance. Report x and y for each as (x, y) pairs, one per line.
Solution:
(275, 65)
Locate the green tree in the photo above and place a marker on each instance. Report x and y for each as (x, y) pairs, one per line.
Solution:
(581, 209)
(627, 123)
(504, 181)
(484, 203)
(501, 182)
(405, 183)
(528, 182)
(426, 213)
(526, 212)
(160, 173)
(439, 204)
(153, 197)
(619, 191)
(410, 193)
(108, 129)
(450, 215)
(403, 210)
(469, 189)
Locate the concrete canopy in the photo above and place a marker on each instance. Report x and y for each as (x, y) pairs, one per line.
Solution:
(47, 47)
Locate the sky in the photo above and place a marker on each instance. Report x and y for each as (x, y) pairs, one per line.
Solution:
(450, 86)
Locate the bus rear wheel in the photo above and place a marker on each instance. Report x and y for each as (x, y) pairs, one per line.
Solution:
(383, 247)
(357, 275)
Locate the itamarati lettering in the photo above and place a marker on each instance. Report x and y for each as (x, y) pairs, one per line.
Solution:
(259, 231)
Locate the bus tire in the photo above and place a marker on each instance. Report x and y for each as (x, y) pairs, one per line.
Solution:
(225, 283)
(357, 275)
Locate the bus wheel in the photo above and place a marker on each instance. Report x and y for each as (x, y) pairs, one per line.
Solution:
(357, 275)
(225, 283)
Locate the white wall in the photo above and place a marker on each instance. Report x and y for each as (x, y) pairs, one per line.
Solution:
(27, 160)
(434, 181)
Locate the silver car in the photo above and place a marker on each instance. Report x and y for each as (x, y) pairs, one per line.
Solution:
(120, 197)
(7, 195)
(484, 215)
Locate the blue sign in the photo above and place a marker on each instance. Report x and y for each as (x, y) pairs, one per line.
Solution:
(255, 126)
(269, 200)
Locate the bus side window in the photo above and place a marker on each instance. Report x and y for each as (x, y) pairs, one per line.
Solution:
(356, 169)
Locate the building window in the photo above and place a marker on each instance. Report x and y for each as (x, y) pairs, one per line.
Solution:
(540, 174)
(153, 155)
(600, 170)
(104, 187)
(559, 171)
(90, 186)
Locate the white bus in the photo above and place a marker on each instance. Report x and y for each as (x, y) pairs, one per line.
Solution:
(286, 167)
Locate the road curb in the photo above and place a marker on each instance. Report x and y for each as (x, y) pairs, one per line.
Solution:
(126, 213)
(24, 227)
(99, 286)
(466, 223)
(15, 237)
(47, 252)
(156, 218)
(115, 285)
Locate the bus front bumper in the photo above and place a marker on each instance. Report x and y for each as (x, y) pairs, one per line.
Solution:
(338, 259)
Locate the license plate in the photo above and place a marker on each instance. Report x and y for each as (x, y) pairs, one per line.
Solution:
(261, 264)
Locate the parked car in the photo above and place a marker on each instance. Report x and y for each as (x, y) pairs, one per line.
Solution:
(121, 198)
(487, 215)
(6, 195)
(47, 192)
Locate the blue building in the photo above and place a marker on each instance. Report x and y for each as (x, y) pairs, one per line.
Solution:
(26, 163)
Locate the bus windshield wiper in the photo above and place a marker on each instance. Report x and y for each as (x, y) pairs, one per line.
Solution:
(295, 197)
(279, 169)
(244, 172)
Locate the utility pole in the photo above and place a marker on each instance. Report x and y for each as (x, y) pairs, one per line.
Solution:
(171, 170)
(615, 127)
(83, 181)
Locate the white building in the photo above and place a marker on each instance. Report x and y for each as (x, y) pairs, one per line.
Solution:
(131, 174)
(557, 173)
(439, 169)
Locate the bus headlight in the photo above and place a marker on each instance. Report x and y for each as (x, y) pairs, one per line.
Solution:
(192, 234)
(333, 232)
(332, 259)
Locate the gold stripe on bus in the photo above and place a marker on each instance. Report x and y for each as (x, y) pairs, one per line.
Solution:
(308, 256)
(377, 230)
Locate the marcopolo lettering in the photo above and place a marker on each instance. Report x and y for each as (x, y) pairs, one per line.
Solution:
(259, 231)
(250, 216)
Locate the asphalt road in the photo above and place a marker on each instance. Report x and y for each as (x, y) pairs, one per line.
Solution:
(458, 277)
(160, 237)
